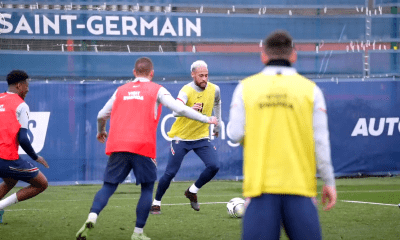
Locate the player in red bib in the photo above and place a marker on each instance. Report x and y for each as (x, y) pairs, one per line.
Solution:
(14, 117)
(135, 110)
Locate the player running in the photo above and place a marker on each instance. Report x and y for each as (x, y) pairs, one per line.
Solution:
(135, 110)
(188, 135)
(14, 117)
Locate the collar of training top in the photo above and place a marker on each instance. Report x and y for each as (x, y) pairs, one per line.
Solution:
(141, 79)
(279, 62)
(280, 70)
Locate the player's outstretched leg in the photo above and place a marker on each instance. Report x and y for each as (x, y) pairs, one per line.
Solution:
(178, 152)
(37, 185)
(5, 187)
(142, 211)
(208, 155)
(99, 202)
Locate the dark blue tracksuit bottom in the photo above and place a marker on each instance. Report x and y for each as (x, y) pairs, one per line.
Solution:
(203, 148)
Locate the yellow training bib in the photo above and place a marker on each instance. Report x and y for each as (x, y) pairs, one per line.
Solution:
(279, 156)
(186, 128)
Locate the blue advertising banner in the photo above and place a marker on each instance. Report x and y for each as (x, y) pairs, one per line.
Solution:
(363, 119)
(97, 25)
(170, 66)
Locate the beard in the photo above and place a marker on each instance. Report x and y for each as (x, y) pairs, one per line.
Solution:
(201, 85)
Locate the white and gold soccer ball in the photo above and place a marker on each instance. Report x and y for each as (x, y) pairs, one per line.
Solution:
(235, 207)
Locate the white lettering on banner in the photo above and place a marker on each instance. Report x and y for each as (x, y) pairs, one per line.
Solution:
(126, 27)
(144, 25)
(69, 19)
(23, 25)
(168, 28)
(7, 26)
(95, 25)
(180, 27)
(110, 26)
(37, 24)
(98, 27)
(37, 125)
(365, 129)
(222, 134)
(133, 95)
(54, 25)
(196, 28)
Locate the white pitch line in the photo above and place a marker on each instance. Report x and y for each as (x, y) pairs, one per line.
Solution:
(15, 210)
(172, 204)
(216, 195)
(372, 203)
(369, 191)
(206, 203)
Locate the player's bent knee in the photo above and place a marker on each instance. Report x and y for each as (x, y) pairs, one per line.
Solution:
(214, 168)
(169, 175)
(40, 182)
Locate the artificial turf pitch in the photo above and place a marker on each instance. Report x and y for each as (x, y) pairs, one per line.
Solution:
(366, 209)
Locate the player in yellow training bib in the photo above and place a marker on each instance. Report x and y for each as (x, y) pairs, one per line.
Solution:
(188, 135)
(280, 117)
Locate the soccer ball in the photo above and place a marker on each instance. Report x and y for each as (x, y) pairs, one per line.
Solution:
(235, 207)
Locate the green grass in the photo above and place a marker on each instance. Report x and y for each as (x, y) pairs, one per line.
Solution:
(60, 211)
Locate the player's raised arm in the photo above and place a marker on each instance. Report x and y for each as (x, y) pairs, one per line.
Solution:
(167, 100)
(182, 99)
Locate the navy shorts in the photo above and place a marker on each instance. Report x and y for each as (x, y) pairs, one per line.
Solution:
(18, 170)
(120, 164)
(266, 214)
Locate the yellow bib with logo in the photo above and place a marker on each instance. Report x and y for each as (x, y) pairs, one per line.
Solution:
(189, 129)
(279, 156)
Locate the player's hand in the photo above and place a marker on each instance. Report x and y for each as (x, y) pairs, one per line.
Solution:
(102, 136)
(247, 202)
(213, 120)
(328, 193)
(197, 107)
(42, 161)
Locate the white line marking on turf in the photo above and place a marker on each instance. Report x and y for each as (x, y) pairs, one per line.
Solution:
(171, 204)
(221, 195)
(372, 203)
(367, 191)
(15, 210)
(206, 203)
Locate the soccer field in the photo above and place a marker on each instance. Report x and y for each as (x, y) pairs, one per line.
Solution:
(366, 209)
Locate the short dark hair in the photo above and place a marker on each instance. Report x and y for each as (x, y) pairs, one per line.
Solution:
(143, 66)
(278, 44)
(16, 76)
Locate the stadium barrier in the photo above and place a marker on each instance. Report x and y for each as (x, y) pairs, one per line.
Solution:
(153, 26)
(363, 118)
(170, 66)
(386, 3)
(211, 3)
(384, 63)
(384, 28)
